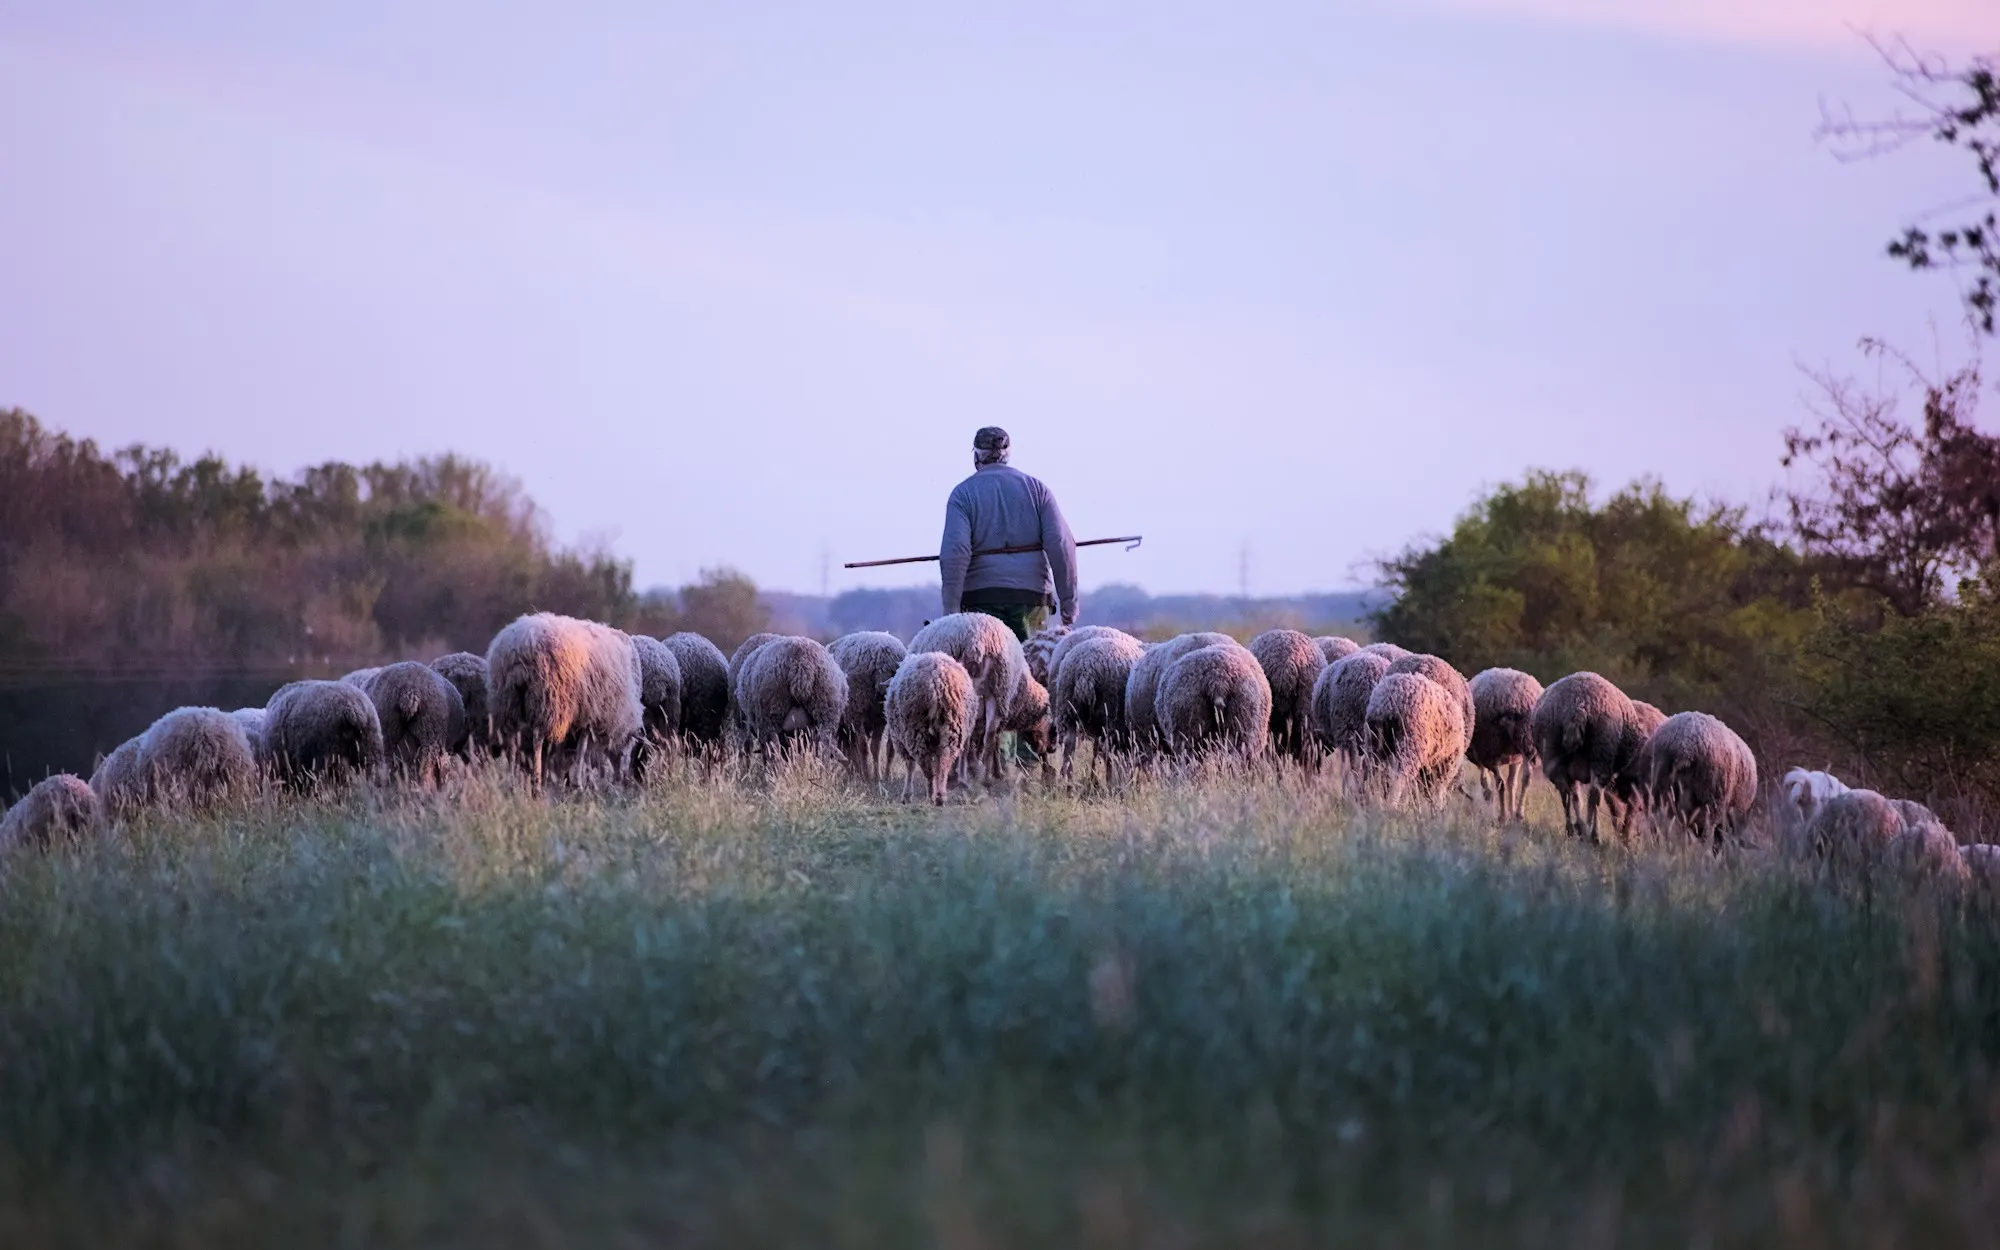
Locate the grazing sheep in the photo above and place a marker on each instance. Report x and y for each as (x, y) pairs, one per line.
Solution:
(360, 676)
(1503, 735)
(1387, 650)
(1142, 688)
(57, 809)
(1588, 735)
(1088, 699)
(320, 732)
(467, 674)
(1807, 789)
(790, 691)
(1927, 852)
(1028, 717)
(1335, 648)
(1851, 832)
(1076, 638)
(1416, 734)
(1040, 649)
(564, 693)
(1214, 698)
(992, 655)
(659, 689)
(741, 656)
(870, 661)
(1697, 770)
(1292, 662)
(252, 721)
(1915, 815)
(704, 688)
(1340, 702)
(196, 759)
(421, 714)
(117, 781)
(930, 708)
(1451, 679)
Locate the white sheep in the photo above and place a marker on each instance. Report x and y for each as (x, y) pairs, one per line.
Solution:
(421, 714)
(1088, 699)
(1335, 648)
(1503, 735)
(791, 692)
(1588, 735)
(320, 733)
(930, 707)
(1698, 771)
(704, 688)
(869, 660)
(1292, 662)
(195, 759)
(1441, 672)
(1214, 698)
(467, 674)
(993, 657)
(1040, 648)
(659, 700)
(1142, 688)
(564, 694)
(1416, 736)
(1807, 789)
(55, 810)
(1340, 705)
(1075, 638)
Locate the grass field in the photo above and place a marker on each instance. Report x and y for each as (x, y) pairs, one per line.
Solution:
(789, 1013)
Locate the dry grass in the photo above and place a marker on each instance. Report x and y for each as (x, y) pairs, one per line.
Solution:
(781, 1010)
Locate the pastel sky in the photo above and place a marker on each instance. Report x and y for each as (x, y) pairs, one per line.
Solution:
(734, 283)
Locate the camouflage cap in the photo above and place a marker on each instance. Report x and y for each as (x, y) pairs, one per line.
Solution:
(991, 438)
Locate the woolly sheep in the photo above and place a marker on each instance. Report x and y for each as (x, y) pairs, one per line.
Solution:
(1387, 650)
(1926, 852)
(1076, 638)
(1503, 735)
(320, 732)
(1807, 789)
(1696, 770)
(1028, 717)
(704, 687)
(992, 656)
(467, 674)
(422, 717)
(1340, 702)
(930, 707)
(1916, 815)
(252, 721)
(360, 676)
(1142, 688)
(564, 692)
(1040, 649)
(791, 691)
(1451, 679)
(1588, 735)
(1851, 832)
(1335, 648)
(1214, 698)
(659, 689)
(195, 758)
(1088, 700)
(869, 660)
(117, 782)
(55, 810)
(1292, 662)
(1416, 734)
(741, 656)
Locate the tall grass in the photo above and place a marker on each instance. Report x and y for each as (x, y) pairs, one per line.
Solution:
(758, 1011)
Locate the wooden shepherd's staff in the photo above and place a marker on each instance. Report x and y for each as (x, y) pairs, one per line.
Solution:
(1131, 541)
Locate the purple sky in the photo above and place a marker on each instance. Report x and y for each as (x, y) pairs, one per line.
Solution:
(735, 283)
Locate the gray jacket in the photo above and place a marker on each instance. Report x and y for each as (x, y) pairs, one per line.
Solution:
(1000, 506)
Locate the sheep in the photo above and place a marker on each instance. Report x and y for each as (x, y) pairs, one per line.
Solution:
(360, 676)
(1143, 686)
(704, 688)
(1335, 648)
(117, 782)
(467, 674)
(1587, 734)
(1851, 832)
(741, 656)
(195, 758)
(1292, 662)
(930, 706)
(1451, 679)
(1076, 638)
(791, 691)
(252, 721)
(421, 714)
(1387, 650)
(1697, 770)
(1340, 702)
(57, 809)
(1028, 717)
(659, 690)
(1214, 698)
(320, 732)
(1088, 698)
(992, 655)
(1926, 851)
(1807, 789)
(564, 690)
(1982, 861)
(1916, 815)
(869, 660)
(1416, 734)
(1040, 648)
(1503, 735)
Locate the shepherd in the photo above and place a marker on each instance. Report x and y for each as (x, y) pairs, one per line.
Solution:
(1000, 506)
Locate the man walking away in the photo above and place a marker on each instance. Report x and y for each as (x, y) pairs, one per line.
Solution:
(1000, 506)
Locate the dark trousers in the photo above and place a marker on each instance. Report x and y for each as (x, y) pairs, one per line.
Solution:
(1022, 618)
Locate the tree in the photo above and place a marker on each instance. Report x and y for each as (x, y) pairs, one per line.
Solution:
(1959, 107)
(1900, 510)
(723, 605)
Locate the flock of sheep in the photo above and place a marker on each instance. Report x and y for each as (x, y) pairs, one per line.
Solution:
(575, 699)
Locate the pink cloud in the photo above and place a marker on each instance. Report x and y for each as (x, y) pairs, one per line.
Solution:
(1945, 26)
